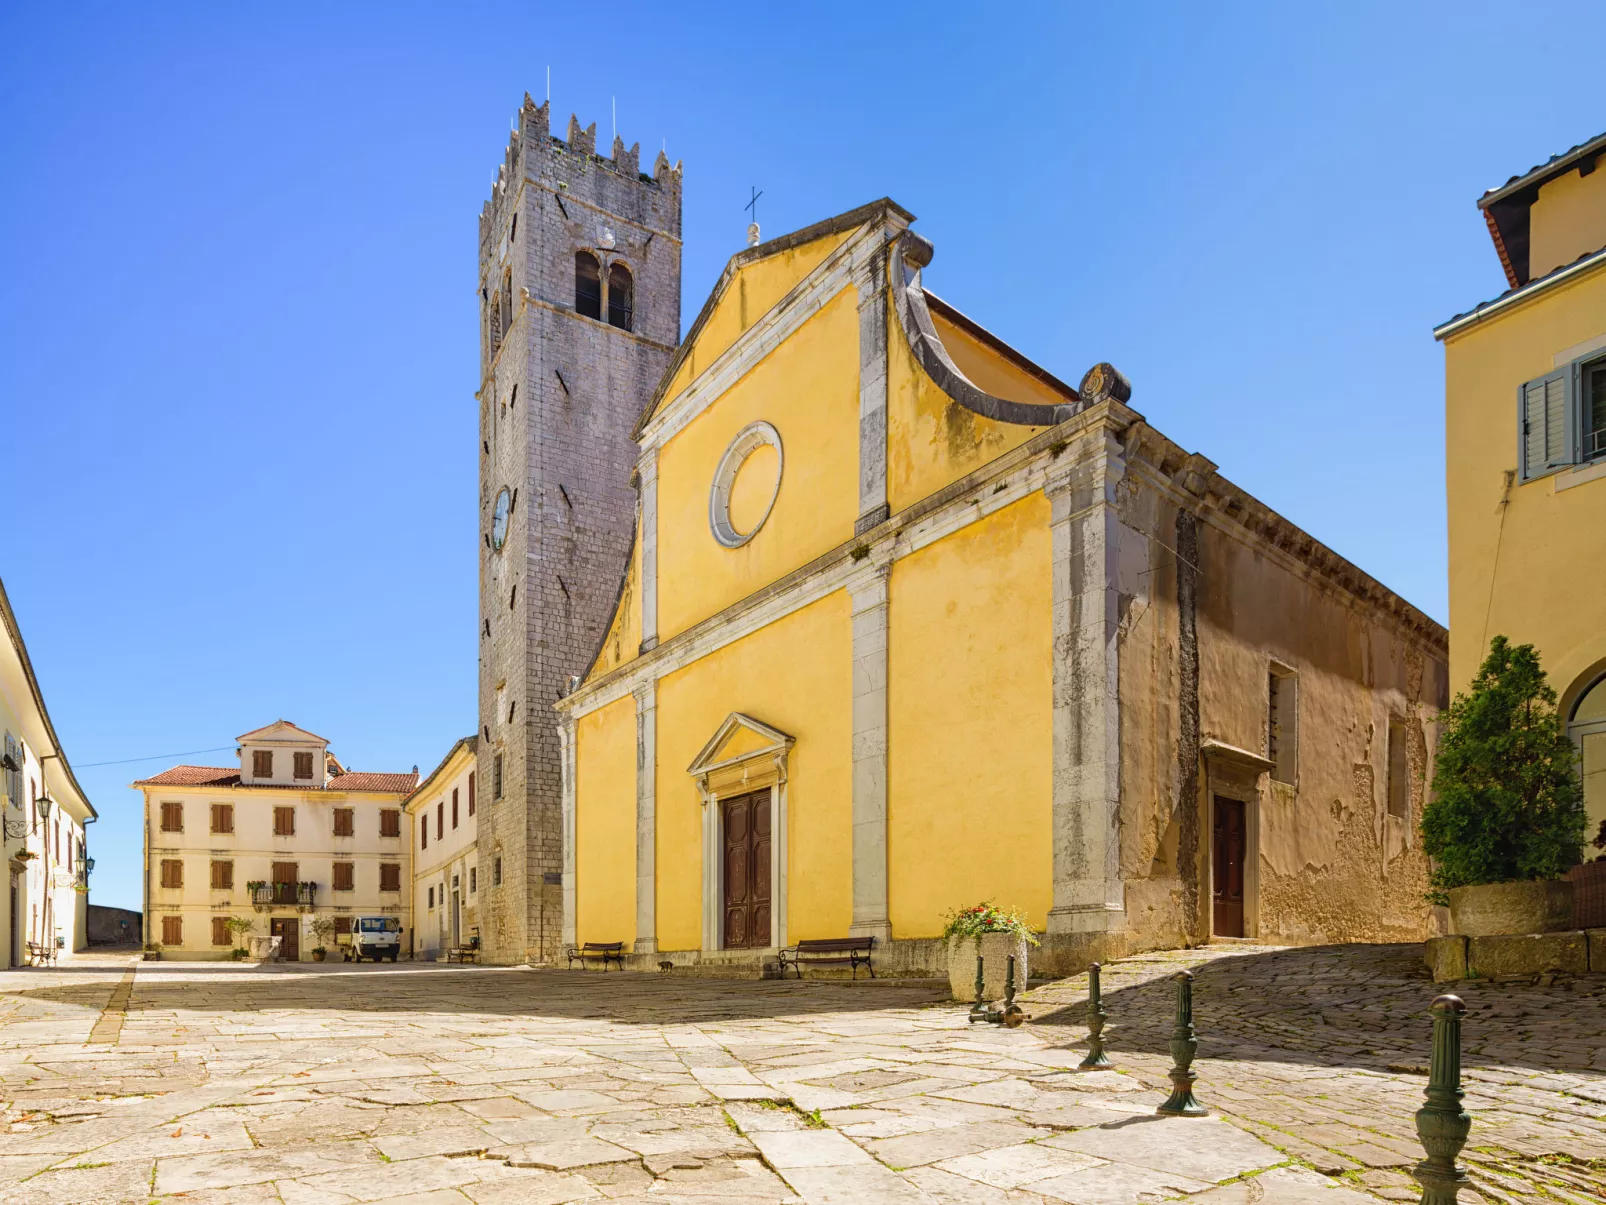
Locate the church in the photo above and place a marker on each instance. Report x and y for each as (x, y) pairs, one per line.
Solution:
(906, 623)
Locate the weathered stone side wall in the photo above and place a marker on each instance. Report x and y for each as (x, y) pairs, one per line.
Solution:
(1207, 607)
(557, 405)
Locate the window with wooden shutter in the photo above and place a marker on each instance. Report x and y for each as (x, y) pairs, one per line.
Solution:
(471, 792)
(222, 876)
(172, 872)
(262, 763)
(345, 823)
(345, 874)
(222, 817)
(220, 932)
(172, 817)
(390, 876)
(284, 822)
(454, 807)
(1399, 769)
(423, 830)
(172, 930)
(440, 820)
(390, 822)
(303, 766)
(1547, 430)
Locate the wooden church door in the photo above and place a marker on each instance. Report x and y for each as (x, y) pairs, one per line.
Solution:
(747, 870)
(1228, 845)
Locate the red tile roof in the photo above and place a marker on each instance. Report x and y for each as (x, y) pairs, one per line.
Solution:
(219, 776)
(285, 723)
(193, 776)
(357, 781)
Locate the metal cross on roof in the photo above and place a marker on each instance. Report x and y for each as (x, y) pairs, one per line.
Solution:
(753, 204)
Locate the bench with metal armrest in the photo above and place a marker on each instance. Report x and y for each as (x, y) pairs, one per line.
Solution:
(823, 951)
(598, 951)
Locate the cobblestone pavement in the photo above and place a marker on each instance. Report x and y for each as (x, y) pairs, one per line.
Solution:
(424, 1084)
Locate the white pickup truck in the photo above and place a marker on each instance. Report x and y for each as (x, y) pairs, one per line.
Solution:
(376, 937)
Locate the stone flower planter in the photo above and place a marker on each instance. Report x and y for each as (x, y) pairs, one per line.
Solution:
(1492, 909)
(995, 949)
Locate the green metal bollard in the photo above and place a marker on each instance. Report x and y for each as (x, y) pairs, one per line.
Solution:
(1442, 1123)
(1095, 1024)
(1184, 1045)
(978, 1010)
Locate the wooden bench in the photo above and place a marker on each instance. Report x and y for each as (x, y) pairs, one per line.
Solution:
(41, 954)
(469, 952)
(822, 951)
(598, 951)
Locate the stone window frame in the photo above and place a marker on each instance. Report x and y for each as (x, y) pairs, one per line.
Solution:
(1282, 722)
(747, 441)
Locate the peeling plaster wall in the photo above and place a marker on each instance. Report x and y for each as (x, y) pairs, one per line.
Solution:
(1205, 610)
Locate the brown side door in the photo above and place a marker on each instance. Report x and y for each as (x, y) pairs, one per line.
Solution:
(747, 870)
(288, 929)
(1227, 847)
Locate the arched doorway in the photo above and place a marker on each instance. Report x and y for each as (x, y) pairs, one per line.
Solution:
(1587, 727)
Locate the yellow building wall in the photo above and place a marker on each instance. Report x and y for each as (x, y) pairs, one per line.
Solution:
(808, 389)
(750, 295)
(1567, 220)
(1534, 569)
(795, 675)
(623, 641)
(971, 723)
(605, 823)
(931, 439)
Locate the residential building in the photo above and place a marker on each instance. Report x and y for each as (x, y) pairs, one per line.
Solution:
(909, 624)
(46, 814)
(1525, 446)
(579, 296)
(443, 823)
(285, 836)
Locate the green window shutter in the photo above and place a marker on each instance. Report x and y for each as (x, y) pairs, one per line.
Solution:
(1547, 431)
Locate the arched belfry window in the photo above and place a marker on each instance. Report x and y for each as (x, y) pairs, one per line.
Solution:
(587, 285)
(621, 297)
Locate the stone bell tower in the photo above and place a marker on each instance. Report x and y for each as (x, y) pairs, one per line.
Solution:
(579, 296)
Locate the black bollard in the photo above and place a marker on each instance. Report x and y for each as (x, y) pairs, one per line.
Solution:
(1095, 1024)
(1011, 1016)
(978, 1010)
(1184, 1045)
(1441, 1123)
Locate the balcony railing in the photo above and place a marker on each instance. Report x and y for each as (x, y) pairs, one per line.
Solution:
(283, 895)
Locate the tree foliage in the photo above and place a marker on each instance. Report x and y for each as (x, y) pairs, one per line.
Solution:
(1508, 803)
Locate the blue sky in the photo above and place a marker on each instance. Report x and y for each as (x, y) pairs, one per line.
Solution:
(238, 341)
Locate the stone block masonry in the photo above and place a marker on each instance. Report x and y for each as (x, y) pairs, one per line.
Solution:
(559, 394)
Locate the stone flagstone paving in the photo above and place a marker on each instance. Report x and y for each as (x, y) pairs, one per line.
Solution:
(421, 1084)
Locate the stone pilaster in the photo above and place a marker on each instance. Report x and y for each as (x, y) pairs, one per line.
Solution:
(869, 595)
(1088, 894)
(646, 818)
(870, 280)
(648, 468)
(566, 747)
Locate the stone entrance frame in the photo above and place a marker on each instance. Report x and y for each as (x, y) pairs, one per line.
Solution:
(1232, 773)
(761, 764)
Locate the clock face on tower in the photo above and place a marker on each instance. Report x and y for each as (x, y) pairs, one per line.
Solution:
(499, 520)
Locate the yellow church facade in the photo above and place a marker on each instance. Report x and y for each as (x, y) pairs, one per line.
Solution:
(909, 624)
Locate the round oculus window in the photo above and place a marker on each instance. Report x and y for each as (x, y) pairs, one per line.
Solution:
(745, 485)
(504, 504)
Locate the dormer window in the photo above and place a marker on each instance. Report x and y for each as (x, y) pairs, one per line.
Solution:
(262, 763)
(587, 285)
(621, 297)
(304, 766)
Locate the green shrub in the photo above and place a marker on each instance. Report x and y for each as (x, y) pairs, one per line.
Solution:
(1508, 804)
